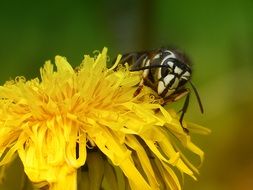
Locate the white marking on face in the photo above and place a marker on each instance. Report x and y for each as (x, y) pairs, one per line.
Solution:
(160, 87)
(175, 84)
(178, 70)
(170, 91)
(185, 78)
(186, 74)
(159, 74)
(146, 71)
(170, 64)
(167, 79)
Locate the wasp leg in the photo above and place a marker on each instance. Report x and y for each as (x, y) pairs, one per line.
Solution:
(198, 97)
(175, 97)
(149, 83)
(140, 87)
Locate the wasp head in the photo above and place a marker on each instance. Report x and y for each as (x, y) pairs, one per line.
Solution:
(174, 73)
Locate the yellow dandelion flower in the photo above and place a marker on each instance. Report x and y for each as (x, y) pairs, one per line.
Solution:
(88, 118)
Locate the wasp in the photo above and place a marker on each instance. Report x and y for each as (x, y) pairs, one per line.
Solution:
(166, 71)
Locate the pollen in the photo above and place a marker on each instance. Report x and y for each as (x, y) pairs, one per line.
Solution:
(74, 127)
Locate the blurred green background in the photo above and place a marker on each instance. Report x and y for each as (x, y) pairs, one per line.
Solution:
(217, 35)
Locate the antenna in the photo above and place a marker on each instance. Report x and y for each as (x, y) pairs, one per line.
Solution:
(198, 97)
